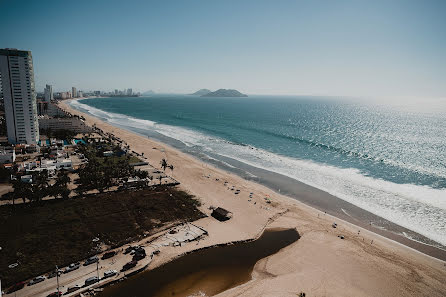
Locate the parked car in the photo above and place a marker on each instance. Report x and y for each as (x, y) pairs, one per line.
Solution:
(108, 255)
(36, 280)
(110, 273)
(128, 250)
(140, 253)
(91, 260)
(129, 265)
(53, 274)
(138, 257)
(72, 266)
(55, 294)
(91, 280)
(73, 288)
(16, 287)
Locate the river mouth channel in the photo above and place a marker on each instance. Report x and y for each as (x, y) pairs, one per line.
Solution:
(206, 272)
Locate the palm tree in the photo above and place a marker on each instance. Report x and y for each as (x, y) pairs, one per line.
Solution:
(60, 187)
(40, 185)
(21, 190)
(164, 164)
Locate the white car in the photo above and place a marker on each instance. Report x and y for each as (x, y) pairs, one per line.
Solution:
(71, 267)
(110, 273)
(36, 280)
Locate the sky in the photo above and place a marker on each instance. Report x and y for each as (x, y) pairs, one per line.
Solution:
(339, 48)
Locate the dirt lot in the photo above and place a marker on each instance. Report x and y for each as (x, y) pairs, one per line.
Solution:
(58, 232)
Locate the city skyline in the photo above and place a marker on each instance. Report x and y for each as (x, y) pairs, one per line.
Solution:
(298, 47)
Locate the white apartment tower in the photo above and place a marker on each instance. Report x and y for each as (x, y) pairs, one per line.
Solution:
(49, 93)
(17, 83)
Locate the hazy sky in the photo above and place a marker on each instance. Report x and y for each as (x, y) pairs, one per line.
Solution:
(366, 48)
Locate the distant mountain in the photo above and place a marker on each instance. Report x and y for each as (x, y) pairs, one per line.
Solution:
(149, 92)
(201, 92)
(225, 93)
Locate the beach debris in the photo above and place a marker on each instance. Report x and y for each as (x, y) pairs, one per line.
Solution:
(341, 236)
(334, 225)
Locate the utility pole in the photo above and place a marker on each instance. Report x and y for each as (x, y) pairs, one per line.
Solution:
(57, 278)
(97, 269)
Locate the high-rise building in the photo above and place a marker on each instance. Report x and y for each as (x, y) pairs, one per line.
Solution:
(49, 93)
(17, 81)
(73, 92)
(129, 92)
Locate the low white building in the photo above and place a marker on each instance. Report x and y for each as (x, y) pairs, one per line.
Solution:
(7, 155)
(57, 164)
(49, 165)
(72, 124)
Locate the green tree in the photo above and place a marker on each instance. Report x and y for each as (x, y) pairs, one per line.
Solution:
(5, 174)
(60, 187)
(141, 174)
(21, 190)
(39, 186)
(164, 164)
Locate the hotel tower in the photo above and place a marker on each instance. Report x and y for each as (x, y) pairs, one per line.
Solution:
(17, 83)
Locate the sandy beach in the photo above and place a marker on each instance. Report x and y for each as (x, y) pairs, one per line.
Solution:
(319, 263)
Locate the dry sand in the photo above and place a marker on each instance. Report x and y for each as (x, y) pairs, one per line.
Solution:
(320, 263)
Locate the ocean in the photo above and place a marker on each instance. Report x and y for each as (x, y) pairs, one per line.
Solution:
(386, 157)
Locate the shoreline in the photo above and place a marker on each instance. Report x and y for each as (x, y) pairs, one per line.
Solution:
(310, 196)
(309, 221)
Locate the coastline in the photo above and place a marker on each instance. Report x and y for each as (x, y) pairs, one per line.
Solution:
(319, 240)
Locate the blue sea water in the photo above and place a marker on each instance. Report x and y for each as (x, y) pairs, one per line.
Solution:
(387, 158)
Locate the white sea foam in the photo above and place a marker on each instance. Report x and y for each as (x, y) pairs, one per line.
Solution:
(418, 208)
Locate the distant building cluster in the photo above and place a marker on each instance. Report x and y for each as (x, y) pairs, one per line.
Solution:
(121, 93)
(24, 113)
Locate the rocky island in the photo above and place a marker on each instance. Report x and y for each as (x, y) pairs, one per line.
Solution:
(201, 92)
(224, 93)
